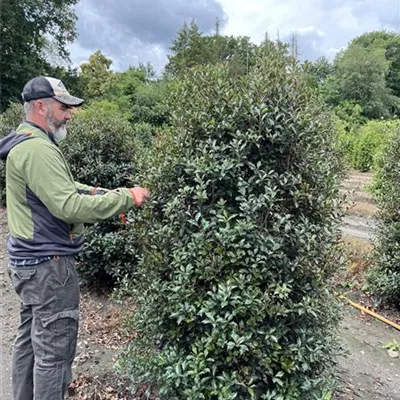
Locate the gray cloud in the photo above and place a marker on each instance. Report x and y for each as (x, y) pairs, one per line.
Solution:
(129, 29)
(387, 12)
(325, 30)
(331, 4)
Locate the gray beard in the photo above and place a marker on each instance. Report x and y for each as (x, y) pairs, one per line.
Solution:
(60, 134)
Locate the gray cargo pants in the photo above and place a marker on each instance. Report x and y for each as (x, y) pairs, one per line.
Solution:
(46, 342)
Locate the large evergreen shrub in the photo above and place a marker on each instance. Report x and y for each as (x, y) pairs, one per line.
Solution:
(100, 147)
(238, 244)
(101, 151)
(384, 278)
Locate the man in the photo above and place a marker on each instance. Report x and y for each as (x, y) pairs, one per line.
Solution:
(46, 211)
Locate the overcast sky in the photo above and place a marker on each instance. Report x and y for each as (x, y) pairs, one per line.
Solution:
(129, 31)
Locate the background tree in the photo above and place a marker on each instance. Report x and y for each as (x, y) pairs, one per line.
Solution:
(25, 27)
(96, 75)
(140, 97)
(190, 48)
(318, 71)
(390, 43)
(238, 52)
(187, 50)
(392, 53)
(366, 73)
(361, 76)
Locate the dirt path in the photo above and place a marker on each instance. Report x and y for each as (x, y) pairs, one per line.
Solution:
(368, 373)
(358, 226)
(359, 220)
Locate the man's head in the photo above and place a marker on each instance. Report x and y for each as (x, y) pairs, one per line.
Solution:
(49, 105)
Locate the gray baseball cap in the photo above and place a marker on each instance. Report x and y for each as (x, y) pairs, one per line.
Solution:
(43, 87)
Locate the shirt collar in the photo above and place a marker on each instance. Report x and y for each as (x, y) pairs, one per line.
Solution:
(49, 134)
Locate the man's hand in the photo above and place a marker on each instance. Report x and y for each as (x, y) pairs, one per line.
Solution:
(140, 195)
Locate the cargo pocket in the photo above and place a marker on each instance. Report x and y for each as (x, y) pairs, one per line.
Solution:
(65, 283)
(60, 333)
(26, 284)
(61, 271)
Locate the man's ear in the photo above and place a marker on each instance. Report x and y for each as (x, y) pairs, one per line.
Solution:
(41, 107)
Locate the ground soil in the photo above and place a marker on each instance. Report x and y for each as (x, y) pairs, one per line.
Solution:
(367, 372)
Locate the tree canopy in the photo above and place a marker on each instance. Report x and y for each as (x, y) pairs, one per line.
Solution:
(191, 48)
(26, 28)
(367, 73)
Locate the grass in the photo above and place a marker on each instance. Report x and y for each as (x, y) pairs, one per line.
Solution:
(357, 252)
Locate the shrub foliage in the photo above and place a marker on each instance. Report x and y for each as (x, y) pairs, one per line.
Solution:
(100, 149)
(369, 142)
(384, 278)
(238, 243)
(362, 146)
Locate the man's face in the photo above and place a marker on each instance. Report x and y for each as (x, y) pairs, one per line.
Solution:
(57, 116)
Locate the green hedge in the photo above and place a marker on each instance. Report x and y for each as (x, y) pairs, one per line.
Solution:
(368, 143)
(238, 242)
(384, 278)
(100, 149)
(362, 146)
